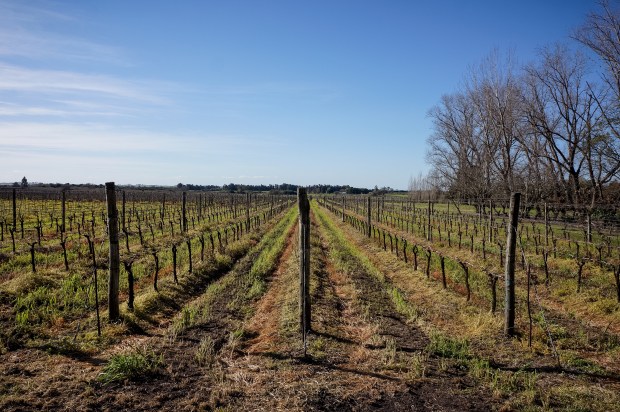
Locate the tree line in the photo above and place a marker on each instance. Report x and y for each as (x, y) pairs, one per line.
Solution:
(549, 129)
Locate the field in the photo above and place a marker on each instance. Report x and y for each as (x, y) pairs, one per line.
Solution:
(407, 313)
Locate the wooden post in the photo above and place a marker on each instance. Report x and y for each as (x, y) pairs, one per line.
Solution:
(368, 232)
(183, 211)
(343, 208)
(304, 262)
(114, 260)
(511, 244)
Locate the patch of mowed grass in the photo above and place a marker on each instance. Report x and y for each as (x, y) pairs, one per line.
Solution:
(137, 365)
(267, 261)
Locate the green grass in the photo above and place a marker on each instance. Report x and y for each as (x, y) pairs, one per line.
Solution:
(137, 365)
(447, 347)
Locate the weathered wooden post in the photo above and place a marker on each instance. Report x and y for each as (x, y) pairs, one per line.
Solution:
(304, 262)
(183, 211)
(343, 205)
(114, 260)
(368, 232)
(509, 274)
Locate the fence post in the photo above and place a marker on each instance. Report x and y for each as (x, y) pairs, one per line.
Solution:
(113, 284)
(511, 243)
(304, 262)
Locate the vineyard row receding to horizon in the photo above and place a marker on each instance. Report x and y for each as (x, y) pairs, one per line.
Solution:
(166, 232)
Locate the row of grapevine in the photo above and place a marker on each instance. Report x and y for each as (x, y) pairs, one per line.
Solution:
(464, 240)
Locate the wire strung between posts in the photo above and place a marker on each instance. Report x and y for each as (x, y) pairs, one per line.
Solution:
(542, 312)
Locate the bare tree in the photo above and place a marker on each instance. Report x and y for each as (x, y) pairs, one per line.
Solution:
(601, 34)
(455, 152)
(496, 93)
(562, 113)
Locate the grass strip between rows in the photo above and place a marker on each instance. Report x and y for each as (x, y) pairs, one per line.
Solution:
(248, 285)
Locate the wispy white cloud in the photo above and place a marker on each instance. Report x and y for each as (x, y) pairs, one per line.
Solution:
(20, 43)
(26, 80)
(98, 139)
(23, 34)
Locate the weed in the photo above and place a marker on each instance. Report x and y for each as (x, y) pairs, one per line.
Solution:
(416, 366)
(131, 366)
(205, 354)
(234, 338)
(388, 354)
(317, 348)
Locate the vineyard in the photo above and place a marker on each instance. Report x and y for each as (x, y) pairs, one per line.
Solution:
(406, 304)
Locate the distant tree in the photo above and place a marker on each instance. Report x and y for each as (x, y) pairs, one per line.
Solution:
(15, 184)
(24, 182)
(180, 185)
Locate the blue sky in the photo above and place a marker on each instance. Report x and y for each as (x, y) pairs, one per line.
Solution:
(214, 92)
